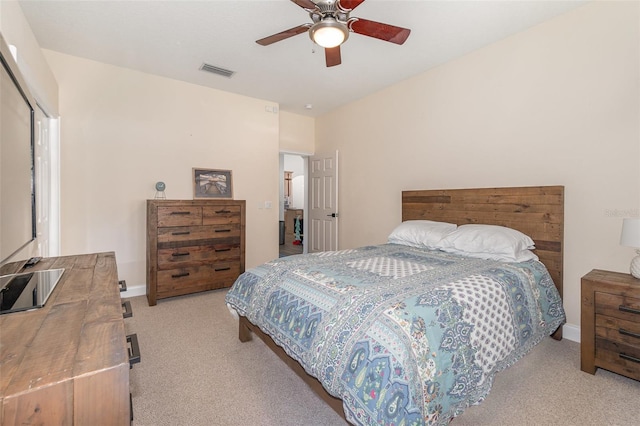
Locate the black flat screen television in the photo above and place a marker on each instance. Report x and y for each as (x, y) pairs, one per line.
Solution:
(17, 173)
(28, 290)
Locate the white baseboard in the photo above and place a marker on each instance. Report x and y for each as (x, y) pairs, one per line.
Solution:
(571, 332)
(133, 291)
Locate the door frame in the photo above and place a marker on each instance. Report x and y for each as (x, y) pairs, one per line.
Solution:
(305, 205)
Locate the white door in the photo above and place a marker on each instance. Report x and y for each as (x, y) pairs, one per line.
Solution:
(323, 203)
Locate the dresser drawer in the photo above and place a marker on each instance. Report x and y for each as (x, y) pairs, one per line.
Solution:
(195, 233)
(179, 216)
(187, 256)
(189, 280)
(220, 215)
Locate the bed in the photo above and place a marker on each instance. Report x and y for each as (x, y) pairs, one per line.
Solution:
(404, 333)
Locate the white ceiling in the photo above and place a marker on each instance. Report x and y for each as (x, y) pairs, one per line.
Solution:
(173, 39)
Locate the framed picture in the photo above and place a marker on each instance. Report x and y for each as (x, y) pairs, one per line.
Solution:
(208, 183)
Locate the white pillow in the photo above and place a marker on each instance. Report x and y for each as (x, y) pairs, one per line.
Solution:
(489, 242)
(421, 233)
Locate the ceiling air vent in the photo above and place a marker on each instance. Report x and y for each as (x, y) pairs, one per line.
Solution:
(216, 70)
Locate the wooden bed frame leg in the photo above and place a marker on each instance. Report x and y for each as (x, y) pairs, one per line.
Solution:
(244, 332)
(557, 335)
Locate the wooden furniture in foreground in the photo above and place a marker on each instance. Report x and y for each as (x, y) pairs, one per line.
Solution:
(537, 211)
(610, 323)
(193, 246)
(67, 363)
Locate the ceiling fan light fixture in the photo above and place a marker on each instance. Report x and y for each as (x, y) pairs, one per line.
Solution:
(329, 33)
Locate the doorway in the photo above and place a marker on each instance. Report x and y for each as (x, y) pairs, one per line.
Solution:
(293, 202)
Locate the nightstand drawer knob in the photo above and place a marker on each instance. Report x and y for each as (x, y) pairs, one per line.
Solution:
(628, 333)
(628, 309)
(630, 358)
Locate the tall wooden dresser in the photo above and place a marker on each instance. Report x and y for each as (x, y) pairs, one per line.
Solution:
(193, 246)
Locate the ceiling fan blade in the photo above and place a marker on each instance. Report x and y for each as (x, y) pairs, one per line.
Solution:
(284, 35)
(350, 4)
(380, 31)
(332, 56)
(305, 4)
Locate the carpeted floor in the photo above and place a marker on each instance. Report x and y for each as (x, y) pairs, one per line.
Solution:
(194, 371)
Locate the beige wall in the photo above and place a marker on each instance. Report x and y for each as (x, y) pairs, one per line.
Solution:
(557, 104)
(31, 61)
(297, 133)
(122, 131)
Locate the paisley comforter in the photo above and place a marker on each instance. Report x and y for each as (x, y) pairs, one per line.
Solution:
(403, 336)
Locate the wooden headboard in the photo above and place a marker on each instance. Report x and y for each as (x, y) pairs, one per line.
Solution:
(537, 211)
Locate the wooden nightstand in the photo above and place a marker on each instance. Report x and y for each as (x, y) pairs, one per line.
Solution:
(610, 327)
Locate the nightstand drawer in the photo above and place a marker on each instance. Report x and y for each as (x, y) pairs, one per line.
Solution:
(619, 358)
(618, 330)
(617, 305)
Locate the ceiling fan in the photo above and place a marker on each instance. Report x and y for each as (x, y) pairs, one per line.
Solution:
(332, 24)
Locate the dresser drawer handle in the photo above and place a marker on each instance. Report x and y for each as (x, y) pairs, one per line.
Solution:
(127, 310)
(223, 230)
(630, 358)
(223, 211)
(219, 250)
(180, 254)
(628, 309)
(222, 269)
(180, 213)
(181, 233)
(184, 274)
(134, 349)
(628, 333)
